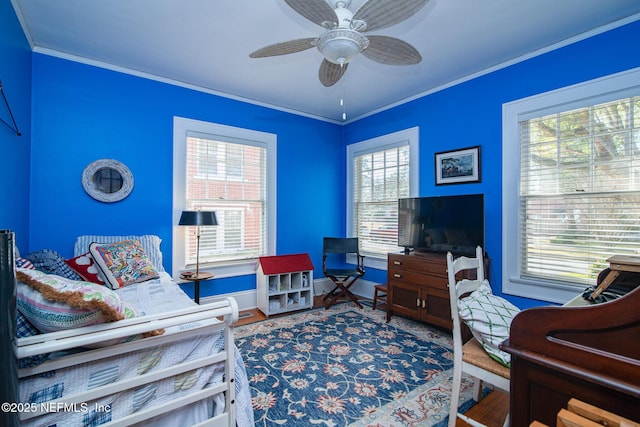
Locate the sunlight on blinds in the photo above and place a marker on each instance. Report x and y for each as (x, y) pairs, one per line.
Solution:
(230, 179)
(580, 190)
(380, 178)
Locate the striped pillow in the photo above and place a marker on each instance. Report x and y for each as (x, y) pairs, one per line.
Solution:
(24, 263)
(53, 303)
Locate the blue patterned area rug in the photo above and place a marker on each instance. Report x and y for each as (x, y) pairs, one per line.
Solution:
(346, 367)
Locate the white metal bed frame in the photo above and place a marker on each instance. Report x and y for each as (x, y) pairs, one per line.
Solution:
(190, 322)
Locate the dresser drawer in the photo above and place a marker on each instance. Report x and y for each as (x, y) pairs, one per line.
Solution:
(408, 276)
(418, 263)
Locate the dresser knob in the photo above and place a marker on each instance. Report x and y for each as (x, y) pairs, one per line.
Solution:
(397, 276)
(397, 263)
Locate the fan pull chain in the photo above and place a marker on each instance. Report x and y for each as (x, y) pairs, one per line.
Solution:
(342, 83)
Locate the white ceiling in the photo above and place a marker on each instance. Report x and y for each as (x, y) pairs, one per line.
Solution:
(205, 44)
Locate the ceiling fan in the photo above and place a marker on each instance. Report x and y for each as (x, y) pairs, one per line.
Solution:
(343, 39)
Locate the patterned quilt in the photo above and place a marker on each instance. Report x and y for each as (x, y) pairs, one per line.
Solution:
(151, 297)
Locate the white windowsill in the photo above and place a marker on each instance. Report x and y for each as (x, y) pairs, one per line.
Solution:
(549, 291)
(231, 269)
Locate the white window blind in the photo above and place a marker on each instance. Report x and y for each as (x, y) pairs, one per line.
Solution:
(228, 176)
(380, 178)
(579, 190)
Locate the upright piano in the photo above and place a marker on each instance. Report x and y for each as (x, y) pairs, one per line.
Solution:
(590, 352)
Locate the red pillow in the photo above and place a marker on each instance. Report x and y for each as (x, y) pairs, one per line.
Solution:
(85, 266)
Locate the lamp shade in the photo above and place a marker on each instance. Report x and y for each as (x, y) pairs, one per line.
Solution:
(198, 218)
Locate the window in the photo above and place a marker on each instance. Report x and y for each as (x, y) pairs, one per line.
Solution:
(577, 198)
(380, 171)
(230, 171)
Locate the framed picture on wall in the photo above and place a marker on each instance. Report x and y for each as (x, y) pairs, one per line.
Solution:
(458, 166)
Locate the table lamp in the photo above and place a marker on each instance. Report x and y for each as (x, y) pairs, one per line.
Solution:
(198, 218)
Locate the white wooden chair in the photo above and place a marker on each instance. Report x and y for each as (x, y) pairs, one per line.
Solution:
(470, 357)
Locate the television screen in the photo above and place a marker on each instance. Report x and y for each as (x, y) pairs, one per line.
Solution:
(442, 223)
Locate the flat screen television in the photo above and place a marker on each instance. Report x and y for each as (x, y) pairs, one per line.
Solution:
(442, 223)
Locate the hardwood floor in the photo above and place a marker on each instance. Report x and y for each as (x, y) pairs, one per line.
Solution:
(491, 410)
(255, 315)
(250, 316)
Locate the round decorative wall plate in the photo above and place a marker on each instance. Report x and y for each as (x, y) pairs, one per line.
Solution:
(107, 180)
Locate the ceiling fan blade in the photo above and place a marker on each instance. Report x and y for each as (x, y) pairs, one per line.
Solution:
(391, 51)
(316, 11)
(330, 73)
(384, 13)
(284, 48)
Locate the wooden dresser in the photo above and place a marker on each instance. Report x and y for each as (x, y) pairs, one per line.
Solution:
(418, 287)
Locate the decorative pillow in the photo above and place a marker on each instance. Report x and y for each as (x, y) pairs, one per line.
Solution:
(53, 303)
(86, 268)
(123, 263)
(456, 237)
(150, 244)
(24, 263)
(489, 318)
(50, 261)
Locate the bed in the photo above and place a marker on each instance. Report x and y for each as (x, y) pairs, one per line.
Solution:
(164, 360)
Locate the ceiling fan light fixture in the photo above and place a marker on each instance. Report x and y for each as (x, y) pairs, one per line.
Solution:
(343, 37)
(340, 46)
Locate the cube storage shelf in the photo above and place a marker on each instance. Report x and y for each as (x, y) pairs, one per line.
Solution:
(284, 283)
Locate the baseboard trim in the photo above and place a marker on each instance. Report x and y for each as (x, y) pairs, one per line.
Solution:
(248, 300)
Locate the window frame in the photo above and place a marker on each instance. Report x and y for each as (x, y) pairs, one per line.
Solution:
(410, 137)
(593, 92)
(184, 127)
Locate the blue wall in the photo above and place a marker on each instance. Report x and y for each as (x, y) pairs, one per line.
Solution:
(82, 113)
(470, 114)
(15, 74)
